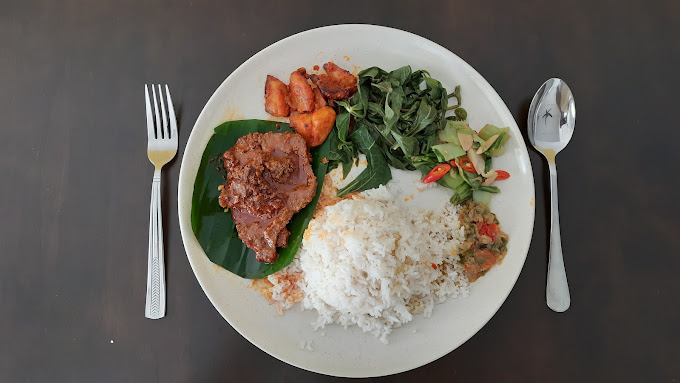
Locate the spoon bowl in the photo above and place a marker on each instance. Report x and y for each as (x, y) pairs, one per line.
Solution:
(551, 120)
(552, 116)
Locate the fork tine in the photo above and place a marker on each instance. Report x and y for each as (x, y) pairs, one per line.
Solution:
(149, 116)
(166, 134)
(171, 113)
(155, 109)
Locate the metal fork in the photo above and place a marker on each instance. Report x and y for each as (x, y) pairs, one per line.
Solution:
(161, 149)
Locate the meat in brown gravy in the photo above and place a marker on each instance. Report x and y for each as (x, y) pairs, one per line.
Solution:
(270, 178)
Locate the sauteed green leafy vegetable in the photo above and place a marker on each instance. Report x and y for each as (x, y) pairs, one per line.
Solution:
(399, 118)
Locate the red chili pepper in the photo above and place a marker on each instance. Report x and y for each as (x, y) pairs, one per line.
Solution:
(467, 165)
(453, 163)
(436, 173)
(502, 175)
(434, 266)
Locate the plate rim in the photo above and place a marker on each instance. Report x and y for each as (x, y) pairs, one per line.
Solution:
(187, 232)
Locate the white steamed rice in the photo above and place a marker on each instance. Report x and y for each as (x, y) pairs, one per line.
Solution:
(369, 262)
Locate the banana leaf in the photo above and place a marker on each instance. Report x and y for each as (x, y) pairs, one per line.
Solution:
(215, 229)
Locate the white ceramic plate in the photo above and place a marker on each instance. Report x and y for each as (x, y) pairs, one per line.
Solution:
(350, 352)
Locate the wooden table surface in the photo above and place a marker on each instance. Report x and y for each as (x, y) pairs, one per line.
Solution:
(74, 194)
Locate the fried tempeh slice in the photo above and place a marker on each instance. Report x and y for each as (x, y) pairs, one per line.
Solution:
(314, 127)
(329, 87)
(319, 100)
(337, 84)
(342, 76)
(276, 97)
(300, 93)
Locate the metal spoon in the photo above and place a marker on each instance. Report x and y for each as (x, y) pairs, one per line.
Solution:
(552, 115)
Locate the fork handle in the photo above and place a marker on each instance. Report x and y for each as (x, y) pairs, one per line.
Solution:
(155, 279)
(557, 289)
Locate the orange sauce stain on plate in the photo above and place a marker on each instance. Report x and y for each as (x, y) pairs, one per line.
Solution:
(231, 114)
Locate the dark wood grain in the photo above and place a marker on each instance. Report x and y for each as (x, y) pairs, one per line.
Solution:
(75, 185)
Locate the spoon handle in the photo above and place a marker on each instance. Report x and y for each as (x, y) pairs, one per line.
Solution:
(557, 289)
